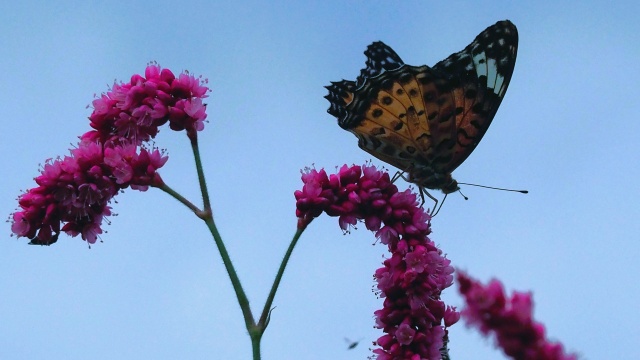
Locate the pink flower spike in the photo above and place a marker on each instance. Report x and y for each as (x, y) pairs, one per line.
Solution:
(411, 280)
(74, 192)
(132, 112)
(509, 319)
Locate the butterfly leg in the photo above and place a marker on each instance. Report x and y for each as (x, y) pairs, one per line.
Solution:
(432, 212)
(398, 175)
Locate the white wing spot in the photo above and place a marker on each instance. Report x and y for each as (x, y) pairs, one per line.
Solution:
(480, 69)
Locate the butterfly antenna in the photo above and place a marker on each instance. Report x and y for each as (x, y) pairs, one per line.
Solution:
(494, 188)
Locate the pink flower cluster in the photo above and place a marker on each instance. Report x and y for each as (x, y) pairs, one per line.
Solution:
(76, 191)
(73, 192)
(132, 112)
(413, 316)
(510, 319)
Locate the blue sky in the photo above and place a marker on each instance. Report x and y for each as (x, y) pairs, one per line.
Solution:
(156, 288)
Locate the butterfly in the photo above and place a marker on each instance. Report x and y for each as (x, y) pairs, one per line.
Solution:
(427, 120)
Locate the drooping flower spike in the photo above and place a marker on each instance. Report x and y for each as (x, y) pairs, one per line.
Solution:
(509, 319)
(73, 192)
(413, 317)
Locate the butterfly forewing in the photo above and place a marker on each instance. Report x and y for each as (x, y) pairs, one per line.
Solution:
(427, 120)
(482, 72)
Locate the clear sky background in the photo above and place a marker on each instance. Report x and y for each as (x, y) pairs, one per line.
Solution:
(156, 288)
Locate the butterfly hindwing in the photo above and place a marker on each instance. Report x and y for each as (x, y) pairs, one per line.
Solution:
(380, 58)
(427, 120)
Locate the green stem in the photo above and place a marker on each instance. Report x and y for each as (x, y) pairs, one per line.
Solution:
(255, 332)
(266, 311)
(193, 137)
(444, 351)
(226, 259)
(256, 336)
(243, 301)
(207, 216)
(164, 187)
